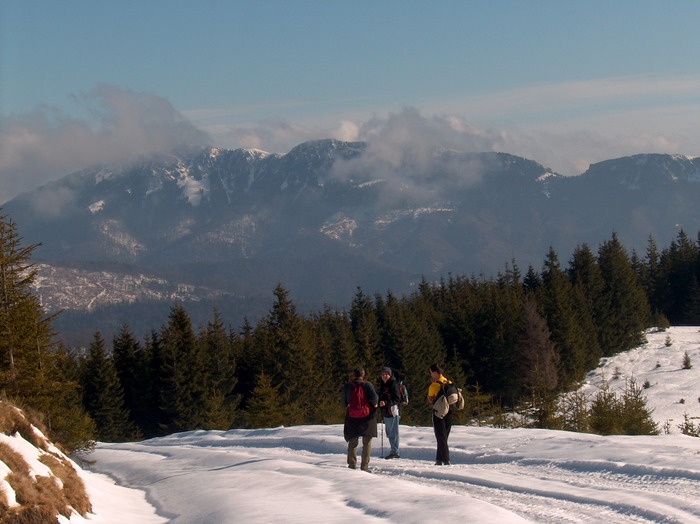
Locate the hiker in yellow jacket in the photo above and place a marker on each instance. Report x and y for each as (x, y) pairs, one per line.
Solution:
(442, 415)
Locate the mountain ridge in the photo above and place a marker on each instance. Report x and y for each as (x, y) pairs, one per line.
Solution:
(331, 216)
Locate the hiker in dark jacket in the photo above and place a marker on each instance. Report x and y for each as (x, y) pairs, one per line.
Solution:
(389, 400)
(365, 427)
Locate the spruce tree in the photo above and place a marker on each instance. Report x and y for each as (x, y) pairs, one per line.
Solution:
(290, 348)
(537, 355)
(335, 350)
(25, 332)
(222, 402)
(585, 274)
(183, 374)
(605, 412)
(249, 361)
(679, 263)
(629, 313)
(266, 409)
(134, 376)
(563, 311)
(365, 329)
(654, 281)
(103, 396)
(33, 369)
(636, 416)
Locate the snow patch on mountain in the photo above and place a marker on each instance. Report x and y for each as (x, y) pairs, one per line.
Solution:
(193, 189)
(341, 227)
(96, 207)
(114, 230)
(385, 220)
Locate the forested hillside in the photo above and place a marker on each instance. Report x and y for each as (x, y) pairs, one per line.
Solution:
(510, 339)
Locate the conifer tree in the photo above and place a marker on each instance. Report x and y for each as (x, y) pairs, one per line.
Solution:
(290, 347)
(574, 412)
(654, 281)
(628, 314)
(222, 402)
(335, 332)
(25, 333)
(134, 376)
(563, 313)
(415, 343)
(249, 361)
(533, 280)
(636, 416)
(336, 356)
(365, 329)
(691, 308)
(162, 387)
(265, 408)
(103, 396)
(679, 263)
(605, 412)
(183, 374)
(537, 355)
(33, 368)
(585, 274)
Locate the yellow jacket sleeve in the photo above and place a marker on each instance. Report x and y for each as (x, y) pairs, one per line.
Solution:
(434, 389)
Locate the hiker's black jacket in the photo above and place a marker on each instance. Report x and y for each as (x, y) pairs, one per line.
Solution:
(390, 393)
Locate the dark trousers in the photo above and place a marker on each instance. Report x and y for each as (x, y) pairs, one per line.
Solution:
(442, 427)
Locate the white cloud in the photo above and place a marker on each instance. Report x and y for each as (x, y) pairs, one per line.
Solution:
(564, 126)
(46, 144)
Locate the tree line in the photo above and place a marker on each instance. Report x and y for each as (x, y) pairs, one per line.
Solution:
(513, 340)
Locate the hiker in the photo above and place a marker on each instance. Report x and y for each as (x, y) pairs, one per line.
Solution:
(442, 414)
(389, 400)
(361, 401)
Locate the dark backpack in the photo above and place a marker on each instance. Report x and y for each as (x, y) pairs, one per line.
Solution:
(358, 407)
(403, 393)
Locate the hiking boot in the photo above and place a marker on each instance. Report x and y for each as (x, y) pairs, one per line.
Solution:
(392, 456)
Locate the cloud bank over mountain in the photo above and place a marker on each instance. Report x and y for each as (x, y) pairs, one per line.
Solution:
(120, 125)
(563, 126)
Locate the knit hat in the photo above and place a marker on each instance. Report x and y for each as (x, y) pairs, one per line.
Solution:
(386, 370)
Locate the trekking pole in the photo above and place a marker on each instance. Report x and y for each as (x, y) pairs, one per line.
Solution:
(382, 436)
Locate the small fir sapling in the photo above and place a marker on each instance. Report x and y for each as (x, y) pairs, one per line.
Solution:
(686, 361)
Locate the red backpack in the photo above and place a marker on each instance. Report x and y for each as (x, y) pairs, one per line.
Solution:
(358, 407)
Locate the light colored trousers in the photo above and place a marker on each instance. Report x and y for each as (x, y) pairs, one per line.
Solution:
(392, 432)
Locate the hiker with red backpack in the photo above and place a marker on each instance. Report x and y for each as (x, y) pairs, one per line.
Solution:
(389, 400)
(361, 401)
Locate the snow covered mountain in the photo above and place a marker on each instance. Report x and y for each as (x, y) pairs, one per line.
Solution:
(327, 217)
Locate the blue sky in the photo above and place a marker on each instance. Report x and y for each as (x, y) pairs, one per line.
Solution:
(561, 82)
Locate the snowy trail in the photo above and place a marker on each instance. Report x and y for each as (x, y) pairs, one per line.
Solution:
(505, 476)
(547, 493)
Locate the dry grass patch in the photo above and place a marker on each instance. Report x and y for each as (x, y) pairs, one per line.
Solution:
(32, 515)
(41, 498)
(13, 420)
(74, 490)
